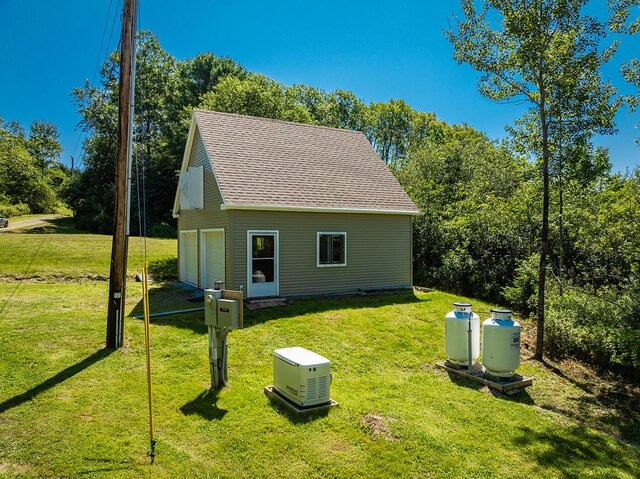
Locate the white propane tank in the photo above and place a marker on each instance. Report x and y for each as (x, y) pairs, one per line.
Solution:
(456, 339)
(501, 344)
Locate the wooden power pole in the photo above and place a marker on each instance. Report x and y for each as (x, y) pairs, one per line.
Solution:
(118, 271)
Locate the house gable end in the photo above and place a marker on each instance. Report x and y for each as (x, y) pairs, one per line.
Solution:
(193, 137)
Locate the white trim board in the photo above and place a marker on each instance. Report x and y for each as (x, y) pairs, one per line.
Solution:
(330, 265)
(310, 209)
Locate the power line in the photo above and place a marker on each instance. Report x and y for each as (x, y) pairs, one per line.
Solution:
(104, 31)
(100, 59)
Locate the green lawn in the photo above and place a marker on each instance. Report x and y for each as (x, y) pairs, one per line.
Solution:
(59, 252)
(69, 408)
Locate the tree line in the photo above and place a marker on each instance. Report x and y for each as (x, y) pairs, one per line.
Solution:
(32, 179)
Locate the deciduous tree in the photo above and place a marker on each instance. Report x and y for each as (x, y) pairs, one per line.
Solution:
(546, 54)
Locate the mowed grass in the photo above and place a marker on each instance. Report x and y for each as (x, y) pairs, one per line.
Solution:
(70, 408)
(59, 252)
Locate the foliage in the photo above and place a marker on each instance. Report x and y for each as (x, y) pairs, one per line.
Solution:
(475, 223)
(31, 177)
(7, 210)
(544, 53)
(522, 292)
(162, 230)
(166, 91)
(602, 328)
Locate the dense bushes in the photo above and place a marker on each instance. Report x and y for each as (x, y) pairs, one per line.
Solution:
(602, 328)
(30, 175)
(478, 232)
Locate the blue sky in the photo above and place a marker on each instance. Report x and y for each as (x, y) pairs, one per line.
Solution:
(379, 50)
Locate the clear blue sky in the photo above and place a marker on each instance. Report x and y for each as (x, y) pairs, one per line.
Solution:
(379, 50)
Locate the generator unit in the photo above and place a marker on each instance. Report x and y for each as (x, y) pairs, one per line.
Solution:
(301, 376)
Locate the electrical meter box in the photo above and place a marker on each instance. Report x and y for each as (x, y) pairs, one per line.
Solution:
(301, 376)
(210, 307)
(228, 316)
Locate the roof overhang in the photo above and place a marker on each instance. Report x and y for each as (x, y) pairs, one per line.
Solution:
(311, 209)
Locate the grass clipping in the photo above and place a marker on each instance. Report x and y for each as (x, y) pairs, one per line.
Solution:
(378, 426)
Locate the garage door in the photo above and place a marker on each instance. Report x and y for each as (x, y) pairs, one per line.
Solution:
(189, 255)
(212, 258)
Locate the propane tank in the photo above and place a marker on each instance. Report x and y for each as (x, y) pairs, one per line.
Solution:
(456, 334)
(501, 344)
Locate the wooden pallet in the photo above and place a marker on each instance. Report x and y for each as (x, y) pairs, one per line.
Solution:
(273, 394)
(505, 385)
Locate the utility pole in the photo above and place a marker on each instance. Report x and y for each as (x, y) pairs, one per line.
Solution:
(118, 271)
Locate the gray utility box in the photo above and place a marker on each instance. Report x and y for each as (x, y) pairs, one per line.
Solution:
(228, 316)
(210, 306)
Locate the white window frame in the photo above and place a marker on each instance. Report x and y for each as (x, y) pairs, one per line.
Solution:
(203, 254)
(331, 265)
(276, 264)
(183, 259)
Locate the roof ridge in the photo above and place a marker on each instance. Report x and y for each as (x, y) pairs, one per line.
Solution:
(274, 120)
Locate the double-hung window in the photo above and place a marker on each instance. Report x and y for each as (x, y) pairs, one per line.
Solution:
(332, 249)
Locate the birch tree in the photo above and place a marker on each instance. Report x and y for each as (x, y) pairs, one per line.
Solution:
(545, 54)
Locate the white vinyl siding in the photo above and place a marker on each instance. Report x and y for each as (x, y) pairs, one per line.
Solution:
(378, 250)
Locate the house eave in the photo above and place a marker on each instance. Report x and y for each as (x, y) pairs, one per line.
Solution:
(311, 209)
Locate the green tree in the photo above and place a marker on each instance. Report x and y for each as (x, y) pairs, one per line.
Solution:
(256, 95)
(545, 53)
(390, 126)
(22, 183)
(43, 143)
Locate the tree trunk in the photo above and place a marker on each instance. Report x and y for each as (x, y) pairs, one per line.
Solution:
(561, 233)
(544, 236)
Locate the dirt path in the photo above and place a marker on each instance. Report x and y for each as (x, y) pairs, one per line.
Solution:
(29, 222)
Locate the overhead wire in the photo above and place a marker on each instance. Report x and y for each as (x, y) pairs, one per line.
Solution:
(100, 59)
(138, 154)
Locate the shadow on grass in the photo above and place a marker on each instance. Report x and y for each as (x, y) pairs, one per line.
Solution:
(176, 296)
(205, 406)
(615, 403)
(63, 225)
(294, 417)
(54, 380)
(299, 307)
(522, 396)
(576, 452)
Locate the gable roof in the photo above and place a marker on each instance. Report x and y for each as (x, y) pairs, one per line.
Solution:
(260, 163)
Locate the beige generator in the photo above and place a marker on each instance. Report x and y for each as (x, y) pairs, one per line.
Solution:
(301, 376)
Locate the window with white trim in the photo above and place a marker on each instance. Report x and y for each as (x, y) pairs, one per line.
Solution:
(332, 249)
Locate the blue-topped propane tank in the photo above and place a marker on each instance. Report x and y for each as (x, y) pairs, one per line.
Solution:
(501, 344)
(456, 334)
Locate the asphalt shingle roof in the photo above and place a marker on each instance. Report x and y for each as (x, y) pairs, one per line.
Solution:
(264, 162)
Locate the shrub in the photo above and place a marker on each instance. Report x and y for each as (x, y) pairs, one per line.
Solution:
(161, 230)
(522, 294)
(7, 210)
(164, 268)
(601, 327)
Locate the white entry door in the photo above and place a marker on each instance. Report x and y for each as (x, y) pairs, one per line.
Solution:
(189, 256)
(262, 267)
(212, 257)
